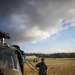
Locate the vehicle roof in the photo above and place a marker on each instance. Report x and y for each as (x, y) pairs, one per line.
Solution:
(7, 48)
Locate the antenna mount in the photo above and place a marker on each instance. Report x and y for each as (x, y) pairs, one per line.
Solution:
(3, 36)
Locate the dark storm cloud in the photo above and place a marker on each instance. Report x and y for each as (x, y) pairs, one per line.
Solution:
(33, 20)
(8, 6)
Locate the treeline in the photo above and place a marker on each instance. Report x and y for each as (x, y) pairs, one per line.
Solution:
(55, 55)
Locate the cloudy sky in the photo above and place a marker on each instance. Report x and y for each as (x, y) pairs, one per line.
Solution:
(39, 26)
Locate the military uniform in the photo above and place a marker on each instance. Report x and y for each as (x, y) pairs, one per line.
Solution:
(42, 68)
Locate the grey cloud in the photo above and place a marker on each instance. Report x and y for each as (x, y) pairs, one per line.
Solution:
(21, 17)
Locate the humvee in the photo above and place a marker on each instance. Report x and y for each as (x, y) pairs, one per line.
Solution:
(11, 58)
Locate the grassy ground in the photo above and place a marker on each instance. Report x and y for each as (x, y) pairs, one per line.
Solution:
(63, 66)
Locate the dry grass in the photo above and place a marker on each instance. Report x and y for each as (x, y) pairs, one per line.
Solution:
(63, 66)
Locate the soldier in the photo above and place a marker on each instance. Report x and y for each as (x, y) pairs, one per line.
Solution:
(42, 67)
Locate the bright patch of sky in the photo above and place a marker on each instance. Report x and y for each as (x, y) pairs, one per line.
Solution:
(62, 42)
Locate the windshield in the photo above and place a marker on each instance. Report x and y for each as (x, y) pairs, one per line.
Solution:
(8, 60)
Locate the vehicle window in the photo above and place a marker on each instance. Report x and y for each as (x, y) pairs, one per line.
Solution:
(8, 60)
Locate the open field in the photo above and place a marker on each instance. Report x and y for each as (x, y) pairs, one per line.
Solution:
(58, 66)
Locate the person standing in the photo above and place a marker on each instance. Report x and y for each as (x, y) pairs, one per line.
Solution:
(42, 67)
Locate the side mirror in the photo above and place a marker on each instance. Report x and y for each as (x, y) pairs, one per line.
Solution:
(11, 72)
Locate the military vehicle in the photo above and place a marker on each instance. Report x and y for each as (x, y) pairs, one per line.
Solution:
(11, 57)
